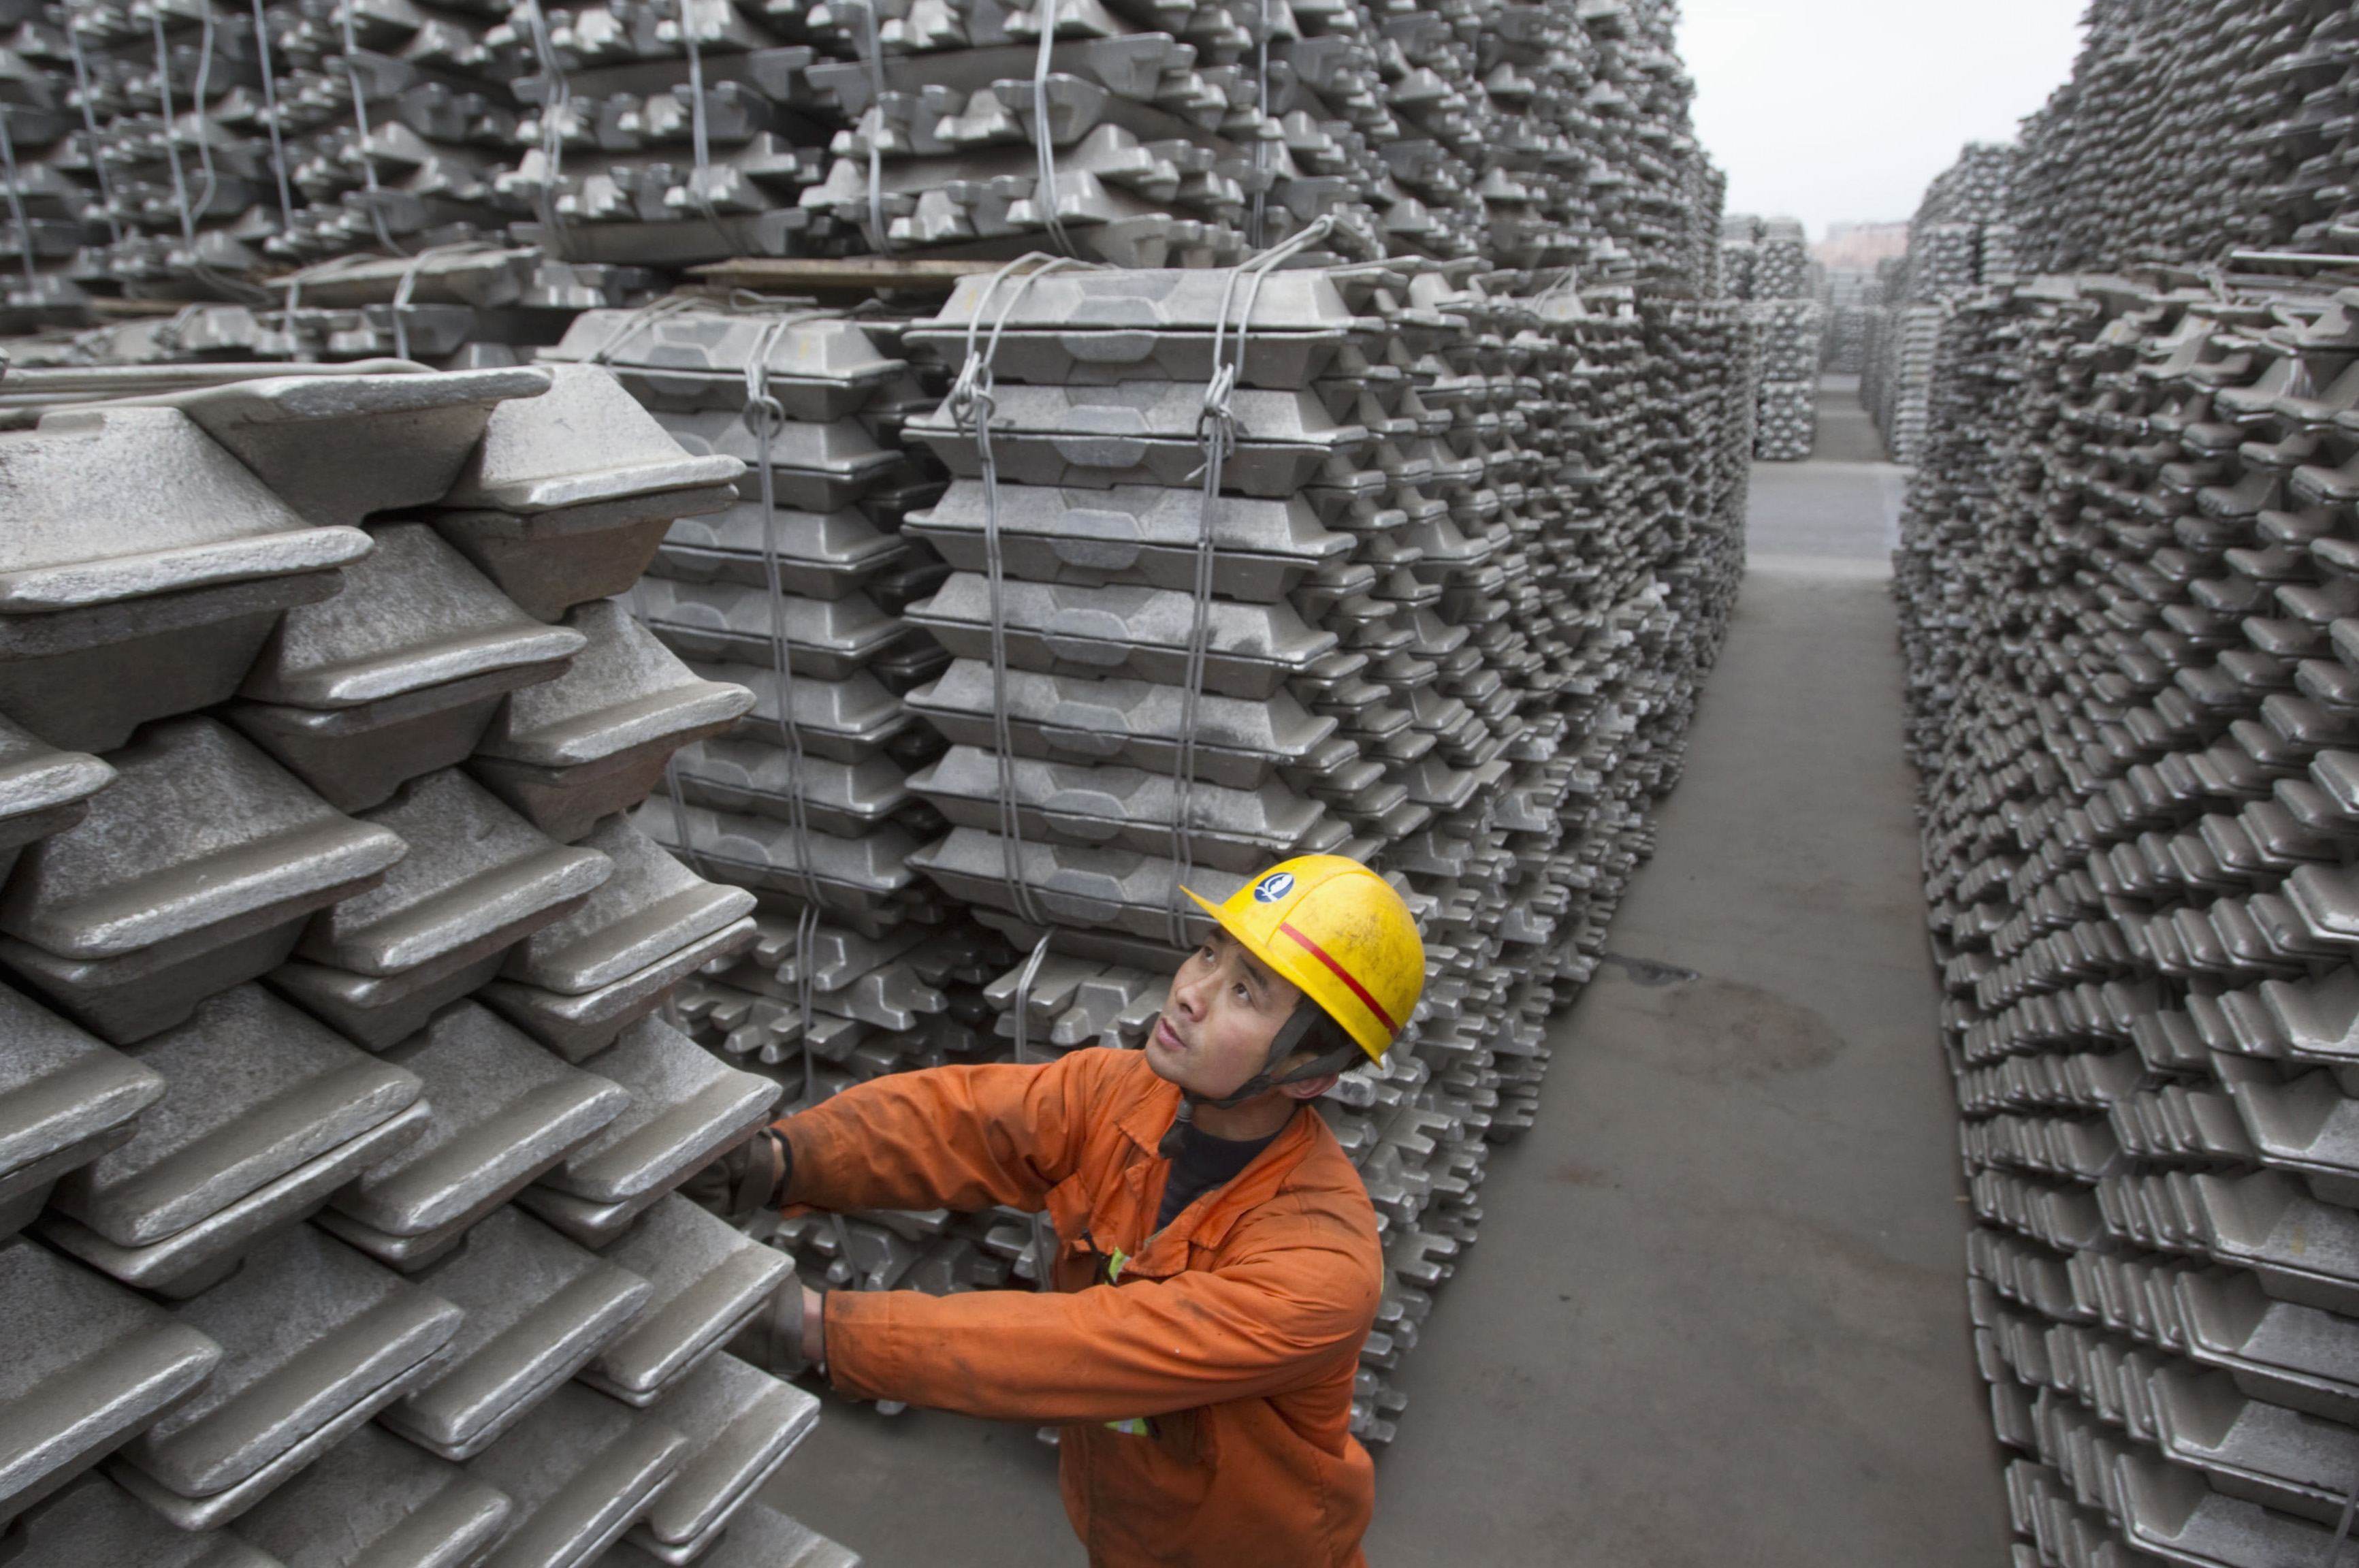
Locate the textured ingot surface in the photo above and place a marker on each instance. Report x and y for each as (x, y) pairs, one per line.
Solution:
(94, 1364)
(505, 1111)
(686, 1106)
(252, 1089)
(308, 1329)
(708, 1280)
(477, 878)
(538, 1309)
(581, 1469)
(374, 1500)
(65, 1098)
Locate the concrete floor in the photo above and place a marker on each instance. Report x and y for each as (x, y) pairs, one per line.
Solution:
(1717, 1313)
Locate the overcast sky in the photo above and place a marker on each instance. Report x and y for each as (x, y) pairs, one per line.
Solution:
(1825, 109)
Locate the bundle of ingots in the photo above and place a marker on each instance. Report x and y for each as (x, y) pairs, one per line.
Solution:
(1095, 584)
(2128, 576)
(340, 1119)
(2189, 132)
(201, 151)
(1962, 238)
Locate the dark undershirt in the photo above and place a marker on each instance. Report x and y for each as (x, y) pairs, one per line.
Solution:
(1204, 1163)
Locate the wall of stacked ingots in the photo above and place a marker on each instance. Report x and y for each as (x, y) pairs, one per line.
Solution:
(1768, 265)
(1383, 676)
(2186, 132)
(186, 151)
(1848, 298)
(1961, 239)
(341, 1118)
(2125, 588)
(444, 808)
(2125, 593)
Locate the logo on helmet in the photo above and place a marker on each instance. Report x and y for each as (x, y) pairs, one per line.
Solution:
(1273, 887)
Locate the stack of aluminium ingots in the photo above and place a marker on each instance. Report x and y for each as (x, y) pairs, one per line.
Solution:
(196, 152)
(1766, 264)
(1192, 637)
(1378, 673)
(795, 590)
(1788, 327)
(395, 132)
(1740, 254)
(1782, 270)
(375, 866)
(1651, 203)
(2186, 132)
(176, 150)
(2128, 595)
(1126, 133)
(1788, 333)
(1848, 297)
(1962, 238)
(340, 1127)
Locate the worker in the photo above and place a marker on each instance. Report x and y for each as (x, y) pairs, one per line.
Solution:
(1217, 1262)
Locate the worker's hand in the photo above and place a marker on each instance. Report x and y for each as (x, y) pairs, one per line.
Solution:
(787, 1335)
(744, 1179)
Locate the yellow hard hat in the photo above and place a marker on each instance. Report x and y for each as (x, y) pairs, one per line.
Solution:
(1338, 930)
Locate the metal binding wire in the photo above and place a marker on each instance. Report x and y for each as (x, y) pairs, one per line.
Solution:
(1256, 213)
(204, 76)
(764, 415)
(15, 196)
(406, 284)
(90, 124)
(1028, 973)
(401, 293)
(171, 135)
(639, 319)
(683, 829)
(806, 981)
(1044, 1235)
(2333, 1553)
(874, 56)
(970, 404)
(1044, 146)
(269, 115)
(699, 139)
(1216, 432)
(189, 211)
(360, 127)
(557, 99)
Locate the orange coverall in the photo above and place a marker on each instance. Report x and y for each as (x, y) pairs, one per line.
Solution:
(1236, 1330)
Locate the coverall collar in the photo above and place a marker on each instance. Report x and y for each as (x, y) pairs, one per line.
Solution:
(1208, 1221)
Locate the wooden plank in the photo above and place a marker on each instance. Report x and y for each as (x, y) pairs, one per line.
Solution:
(802, 274)
(106, 309)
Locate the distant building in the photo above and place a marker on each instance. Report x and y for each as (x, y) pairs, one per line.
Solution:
(1858, 247)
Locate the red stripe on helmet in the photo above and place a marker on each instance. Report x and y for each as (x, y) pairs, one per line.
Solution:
(1344, 974)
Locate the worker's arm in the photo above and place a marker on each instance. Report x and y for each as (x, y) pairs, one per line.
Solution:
(1272, 1319)
(959, 1138)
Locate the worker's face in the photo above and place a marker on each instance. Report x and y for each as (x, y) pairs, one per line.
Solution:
(1224, 1011)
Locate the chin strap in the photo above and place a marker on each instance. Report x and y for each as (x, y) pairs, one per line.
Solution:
(1289, 1036)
